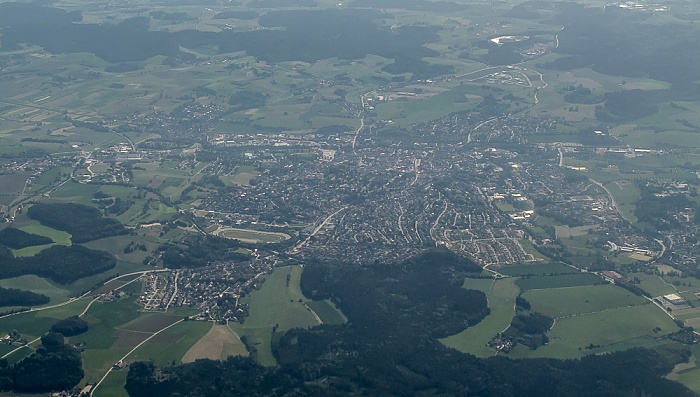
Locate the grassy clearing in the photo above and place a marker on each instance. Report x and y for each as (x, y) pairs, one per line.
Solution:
(690, 376)
(501, 296)
(564, 302)
(39, 285)
(59, 237)
(559, 281)
(327, 312)
(31, 251)
(614, 329)
(484, 285)
(278, 302)
(566, 231)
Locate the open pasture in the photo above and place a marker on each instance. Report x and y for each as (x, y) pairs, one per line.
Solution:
(327, 312)
(150, 323)
(58, 236)
(501, 297)
(278, 302)
(653, 284)
(12, 186)
(55, 292)
(607, 330)
(566, 231)
(484, 285)
(576, 301)
(559, 281)
(171, 344)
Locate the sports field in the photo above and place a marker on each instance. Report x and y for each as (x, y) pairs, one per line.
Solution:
(251, 236)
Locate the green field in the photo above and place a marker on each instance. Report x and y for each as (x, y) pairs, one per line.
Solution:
(327, 312)
(501, 297)
(574, 301)
(536, 269)
(689, 375)
(626, 195)
(12, 186)
(276, 303)
(172, 344)
(653, 284)
(566, 231)
(613, 329)
(530, 249)
(558, 281)
(39, 285)
(58, 236)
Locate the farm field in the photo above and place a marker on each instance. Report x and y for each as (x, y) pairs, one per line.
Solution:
(690, 374)
(58, 236)
(327, 312)
(612, 329)
(575, 301)
(653, 284)
(55, 292)
(501, 297)
(559, 281)
(217, 344)
(12, 186)
(276, 303)
(160, 140)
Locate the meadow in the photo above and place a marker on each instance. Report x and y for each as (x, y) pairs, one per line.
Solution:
(559, 281)
(327, 312)
(576, 301)
(501, 296)
(608, 330)
(279, 304)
